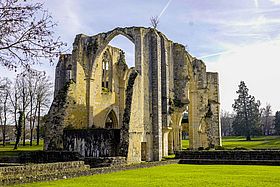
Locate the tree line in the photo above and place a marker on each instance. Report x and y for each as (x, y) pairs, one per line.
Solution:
(26, 38)
(248, 117)
(22, 102)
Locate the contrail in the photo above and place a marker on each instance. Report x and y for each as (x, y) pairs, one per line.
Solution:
(163, 10)
(215, 54)
(275, 42)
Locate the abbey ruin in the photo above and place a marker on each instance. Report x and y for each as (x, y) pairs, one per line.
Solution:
(103, 108)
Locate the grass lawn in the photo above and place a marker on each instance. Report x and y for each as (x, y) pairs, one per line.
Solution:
(185, 144)
(262, 142)
(179, 175)
(27, 147)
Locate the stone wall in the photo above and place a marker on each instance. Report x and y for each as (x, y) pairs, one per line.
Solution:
(112, 99)
(124, 145)
(40, 172)
(230, 155)
(23, 157)
(95, 162)
(55, 122)
(49, 172)
(92, 142)
(169, 81)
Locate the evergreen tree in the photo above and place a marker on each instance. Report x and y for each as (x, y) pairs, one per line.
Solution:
(277, 123)
(247, 119)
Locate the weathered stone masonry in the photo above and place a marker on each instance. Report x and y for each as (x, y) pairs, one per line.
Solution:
(146, 102)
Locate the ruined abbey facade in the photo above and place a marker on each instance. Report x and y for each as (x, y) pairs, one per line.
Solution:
(103, 108)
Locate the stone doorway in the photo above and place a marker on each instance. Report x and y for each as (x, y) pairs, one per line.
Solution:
(111, 121)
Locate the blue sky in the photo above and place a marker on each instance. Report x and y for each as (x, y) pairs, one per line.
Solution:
(240, 39)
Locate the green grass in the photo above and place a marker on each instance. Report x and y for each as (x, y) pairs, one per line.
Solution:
(262, 142)
(171, 156)
(27, 147)
(185, 144)
(179, 175)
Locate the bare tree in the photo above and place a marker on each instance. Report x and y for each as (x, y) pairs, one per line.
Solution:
(266, 120)
(29, 96)
(23, 99)
(5, 85)
(44, 94)
(226, 123)
(26, 34)
(154, 21)
(14, 98)
(39, 93)
(32, 82)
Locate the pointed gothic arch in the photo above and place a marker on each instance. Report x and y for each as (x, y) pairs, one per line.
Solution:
(107, 71)
(111, 120)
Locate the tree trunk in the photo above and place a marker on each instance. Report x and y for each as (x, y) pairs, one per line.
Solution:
(31, 136)
(248, 138)
(33, 120)
(3, 130)
(30, 120)
(38, 124)
(23, 111)
(3, 134)
(15, 113)
(23, 128)
(4, 123)
(19, 129)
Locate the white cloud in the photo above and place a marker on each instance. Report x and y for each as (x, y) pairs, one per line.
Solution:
(256, 3)
(257, 65)
(277, 2)
(68, 16)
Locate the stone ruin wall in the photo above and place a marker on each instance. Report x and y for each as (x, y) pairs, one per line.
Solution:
(92, 142)
(169, 81)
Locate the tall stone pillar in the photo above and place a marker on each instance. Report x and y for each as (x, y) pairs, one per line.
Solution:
(214, 104)
(193, 118)
(165, 140)
(165, 53)
(170, 143)
(155, 85)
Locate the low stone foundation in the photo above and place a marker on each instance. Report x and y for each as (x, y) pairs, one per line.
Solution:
(104, 161)
(54, 171)
(230, 162)
(233, 157)
(230, 154)
(39, 156)
(40, 172)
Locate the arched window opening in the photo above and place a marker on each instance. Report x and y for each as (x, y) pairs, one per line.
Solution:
(185, 130)
(69, 73)
(127, 47)
(111, 121)
(106, 72)
(185, 118)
